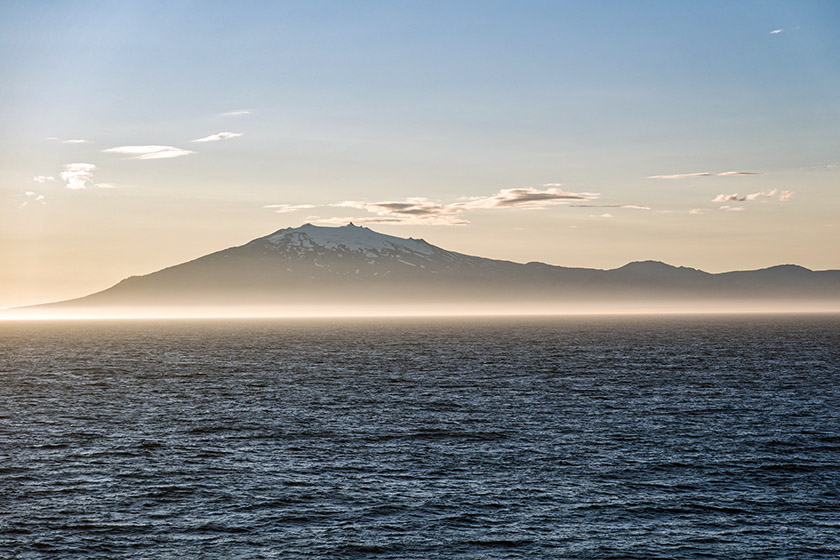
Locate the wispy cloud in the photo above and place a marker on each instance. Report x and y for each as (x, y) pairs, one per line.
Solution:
(693, 211)
(219, 136)
(528, 197)
(68, 141)
(681, 175)
(288, 208)
(33, 197)
(392, 220)
(732, 208)
(631, 206)
(760, 195)
(735, 197)
(423, 211)
(777, 31)
(77, 175)
(237, 113)
(704, 174)
(105, 186)
(150, 152)
(43, 178)
(415, 210)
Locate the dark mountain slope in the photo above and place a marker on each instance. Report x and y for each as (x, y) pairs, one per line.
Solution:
(350, 264)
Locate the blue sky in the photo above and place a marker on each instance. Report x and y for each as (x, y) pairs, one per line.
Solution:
(454, 107)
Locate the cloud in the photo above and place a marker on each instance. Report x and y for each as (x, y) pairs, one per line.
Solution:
(105, 186)
(32, 197)
(735, 197)
(287, 208)
(528, 197)
(605, 215)
(410, 207)
(77, 175)
(150, 152)
(681, 175)
(760, 195)
(393, 220)
(219, 136)
(422, 211)
(705, 174)
(70, 141)
(632, 206)
(415, 210)
(777, 31)
(693, 211)
(235, 113)
(43, 178)
(732, 208)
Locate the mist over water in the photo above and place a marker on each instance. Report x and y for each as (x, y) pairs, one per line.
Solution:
(576, 437)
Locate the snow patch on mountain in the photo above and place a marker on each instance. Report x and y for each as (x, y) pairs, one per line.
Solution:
(348, 238)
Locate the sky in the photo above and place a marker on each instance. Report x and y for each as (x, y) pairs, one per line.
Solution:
(138, 135)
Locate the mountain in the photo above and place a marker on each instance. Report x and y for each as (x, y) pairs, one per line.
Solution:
(354, 267)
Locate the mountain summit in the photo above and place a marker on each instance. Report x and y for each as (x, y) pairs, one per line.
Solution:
(354, 267)
(357, 250)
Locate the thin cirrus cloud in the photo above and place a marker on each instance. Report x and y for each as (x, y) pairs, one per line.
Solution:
(219, 136)
(33, 197)
(390, 220)
(704, 174)
(761, 195)
(423, 211)
(43, 178)
(150, 152)
(693, 211)
(776, 31)
(529, 197)
(69, 141)
(416, 210)
(419, 210)
(631, 206)
(289, 208)
(236, 113)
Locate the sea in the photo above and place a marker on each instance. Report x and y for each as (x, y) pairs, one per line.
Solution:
(596, 437)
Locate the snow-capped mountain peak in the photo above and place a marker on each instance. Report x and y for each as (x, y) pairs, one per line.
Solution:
(350, 238)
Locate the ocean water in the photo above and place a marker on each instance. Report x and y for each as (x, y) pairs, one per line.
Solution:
(607, 437)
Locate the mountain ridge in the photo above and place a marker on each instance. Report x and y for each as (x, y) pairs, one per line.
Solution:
(330, 266)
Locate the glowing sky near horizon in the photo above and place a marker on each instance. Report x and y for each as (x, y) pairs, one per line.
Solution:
(137, 135)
